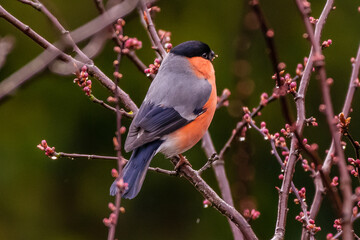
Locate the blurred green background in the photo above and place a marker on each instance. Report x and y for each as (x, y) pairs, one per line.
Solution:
(67, 199)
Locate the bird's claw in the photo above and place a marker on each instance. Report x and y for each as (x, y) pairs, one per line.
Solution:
(182, 161)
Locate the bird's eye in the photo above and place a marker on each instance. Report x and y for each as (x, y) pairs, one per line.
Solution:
(204, 55)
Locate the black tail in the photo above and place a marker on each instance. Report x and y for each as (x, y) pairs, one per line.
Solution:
(135, 170)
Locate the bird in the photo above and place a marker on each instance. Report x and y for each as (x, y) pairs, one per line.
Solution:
(175, 114)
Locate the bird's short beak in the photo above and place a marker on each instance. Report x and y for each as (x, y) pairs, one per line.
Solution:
(213, 55)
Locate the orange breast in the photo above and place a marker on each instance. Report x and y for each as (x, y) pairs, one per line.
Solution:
(187, 136)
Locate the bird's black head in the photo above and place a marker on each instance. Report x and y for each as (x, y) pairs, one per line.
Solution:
(193, 49)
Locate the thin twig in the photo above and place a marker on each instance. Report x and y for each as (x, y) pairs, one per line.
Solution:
(117, 145)
(295, 191)
(208, 164)
(66, 34)
(73, 156)
(107, 106)
(240, 125)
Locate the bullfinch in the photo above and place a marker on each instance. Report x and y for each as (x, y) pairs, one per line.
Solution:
(175, 114)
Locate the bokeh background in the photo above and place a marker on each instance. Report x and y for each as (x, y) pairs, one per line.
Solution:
(42, 198)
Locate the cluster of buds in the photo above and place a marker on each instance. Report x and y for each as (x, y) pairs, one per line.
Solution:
(133, 44)
(312, 227)
(83, 81)
(299, 69)
(114, 173)
(130, 44)
(354, 171)
(120, 23)
(286, 131)
(49, 151)
(264, 130)
(122, 186)
(313, 20)
(247, 117)
(206, 203)
(302, 194)
(251, 215)
(110, 221)
(264, 99)
(355, 162)
(223, 99)
(330, 236)
(305, 165)
(305, 142)
(326, 43)
(287, 84)
(279, 141)
(301, 217)
(343, 123)
(165, 38)
(311, 121)
(112, 207)
(153, 68)
(337, 224)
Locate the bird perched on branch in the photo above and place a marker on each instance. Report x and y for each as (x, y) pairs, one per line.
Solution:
(175, 113)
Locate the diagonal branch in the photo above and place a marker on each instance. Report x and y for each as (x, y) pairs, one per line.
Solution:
(208, 193)
(54, 51)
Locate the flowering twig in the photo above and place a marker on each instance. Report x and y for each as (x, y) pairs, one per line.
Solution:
(318, 198)
(54, 51)
(154, 37)
(130, 54)
(353, 219)
(117, 145)
(345, 181)
(240, 125)
(295, 191)
(52, 154)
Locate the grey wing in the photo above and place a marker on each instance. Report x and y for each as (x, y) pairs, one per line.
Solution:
(173, 100)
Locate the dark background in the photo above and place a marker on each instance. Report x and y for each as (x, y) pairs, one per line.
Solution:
(67, 199)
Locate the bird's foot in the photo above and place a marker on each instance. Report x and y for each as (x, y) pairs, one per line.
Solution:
(181, 162)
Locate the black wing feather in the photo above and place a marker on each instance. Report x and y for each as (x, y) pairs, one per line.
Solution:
(151, 123)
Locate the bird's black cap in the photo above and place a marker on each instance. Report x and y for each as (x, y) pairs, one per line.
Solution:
(193, 49)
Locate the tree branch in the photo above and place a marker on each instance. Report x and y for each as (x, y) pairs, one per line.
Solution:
(345, 181)
(54, 51)
(208, 193)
